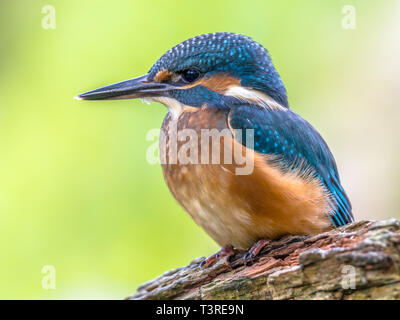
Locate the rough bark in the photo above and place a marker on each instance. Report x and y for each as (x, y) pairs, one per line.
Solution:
(358, 261)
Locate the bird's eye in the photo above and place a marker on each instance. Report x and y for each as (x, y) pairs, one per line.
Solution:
(190, 75)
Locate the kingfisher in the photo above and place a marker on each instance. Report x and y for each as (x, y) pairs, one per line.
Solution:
(226, 82)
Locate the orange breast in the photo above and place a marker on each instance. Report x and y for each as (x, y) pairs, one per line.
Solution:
(236, 209)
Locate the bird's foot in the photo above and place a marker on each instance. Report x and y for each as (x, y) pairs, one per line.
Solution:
(255, 250)
(224, 252)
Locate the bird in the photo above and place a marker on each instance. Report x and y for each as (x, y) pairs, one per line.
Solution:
(226, 82)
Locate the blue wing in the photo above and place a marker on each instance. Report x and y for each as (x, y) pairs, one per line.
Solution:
(297, 145)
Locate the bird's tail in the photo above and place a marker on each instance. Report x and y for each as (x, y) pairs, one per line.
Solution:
(340, 203)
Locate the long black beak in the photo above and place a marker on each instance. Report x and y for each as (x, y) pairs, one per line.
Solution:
(139, 87)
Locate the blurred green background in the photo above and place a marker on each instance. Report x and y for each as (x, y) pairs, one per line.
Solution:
(76, 191)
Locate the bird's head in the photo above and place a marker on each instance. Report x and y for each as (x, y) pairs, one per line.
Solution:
(215, 70)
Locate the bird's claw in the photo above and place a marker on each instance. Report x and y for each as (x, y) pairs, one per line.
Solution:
(210, 260)
(254, 251)
(224, 252)
(248, 255)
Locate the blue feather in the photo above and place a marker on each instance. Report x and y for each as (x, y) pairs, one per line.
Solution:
(296, 145)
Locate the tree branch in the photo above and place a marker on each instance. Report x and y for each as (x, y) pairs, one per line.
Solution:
(358, 261)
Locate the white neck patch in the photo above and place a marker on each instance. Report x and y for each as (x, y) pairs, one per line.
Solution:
(253, 96)
(173, 105)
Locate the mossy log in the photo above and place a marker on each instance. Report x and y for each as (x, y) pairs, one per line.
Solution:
(357, 261)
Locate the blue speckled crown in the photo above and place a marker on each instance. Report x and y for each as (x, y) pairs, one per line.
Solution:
(214, 49)
(226, 52)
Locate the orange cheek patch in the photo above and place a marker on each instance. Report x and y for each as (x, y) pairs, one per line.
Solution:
(220, 82)
(163, 76)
